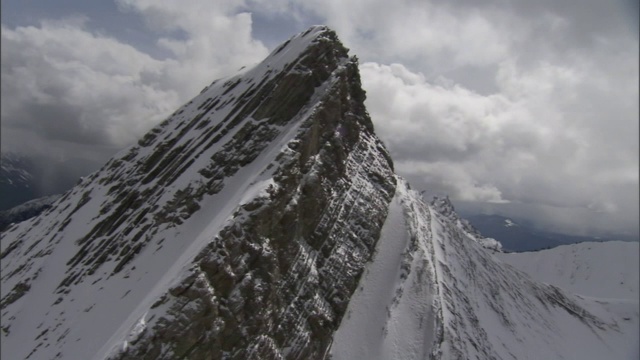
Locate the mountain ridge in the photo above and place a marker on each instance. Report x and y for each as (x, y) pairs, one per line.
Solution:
(453, 291)
(304, 152)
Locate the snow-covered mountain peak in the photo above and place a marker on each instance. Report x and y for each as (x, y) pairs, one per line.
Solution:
(236, 228)
(13, 167)
(444, 207)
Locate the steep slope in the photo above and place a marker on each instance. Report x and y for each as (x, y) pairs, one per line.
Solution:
(433, 291)
(17, 183)
(238, 228)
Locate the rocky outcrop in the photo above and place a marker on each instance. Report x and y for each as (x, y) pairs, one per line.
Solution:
(273, 184)
(445, 207)
(276, 282)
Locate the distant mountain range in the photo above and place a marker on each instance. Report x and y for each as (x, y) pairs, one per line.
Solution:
(27, 177)
(26, 210)
(17, 183)
(517, 236)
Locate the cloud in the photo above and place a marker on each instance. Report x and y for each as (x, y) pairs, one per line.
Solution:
(510, 106)
(64, 85)
(207, 41)
(554, 136)
(409, 31)
(530, 104)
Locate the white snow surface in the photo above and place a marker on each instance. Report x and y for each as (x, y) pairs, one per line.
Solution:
(391, 314)
(433, 290)
(597, 269)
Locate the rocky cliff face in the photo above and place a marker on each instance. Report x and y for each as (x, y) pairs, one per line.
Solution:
(260, 200)
(275, 282)
(259, 221)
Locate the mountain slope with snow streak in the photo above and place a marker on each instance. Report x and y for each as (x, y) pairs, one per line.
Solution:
(433, 292)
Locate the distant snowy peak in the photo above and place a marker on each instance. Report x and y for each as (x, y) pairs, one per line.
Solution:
(509, 223)
(444, 206)
(18, 181)
(608, 270)
(14, 170)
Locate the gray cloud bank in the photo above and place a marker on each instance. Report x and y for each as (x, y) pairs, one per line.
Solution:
(511, 107)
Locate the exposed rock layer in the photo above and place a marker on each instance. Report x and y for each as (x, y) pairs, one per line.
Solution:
(270, 278)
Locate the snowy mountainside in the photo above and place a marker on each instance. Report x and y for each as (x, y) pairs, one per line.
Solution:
(432, 291)
(237, 228)
(598, 269)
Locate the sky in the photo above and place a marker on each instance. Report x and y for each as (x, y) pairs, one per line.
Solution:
(521, 108)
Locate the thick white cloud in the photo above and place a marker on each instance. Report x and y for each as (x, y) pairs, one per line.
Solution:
(534, 104)
(412, 31)
(207, 40)
(513, 106)
(553, 136)
(64, 84)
